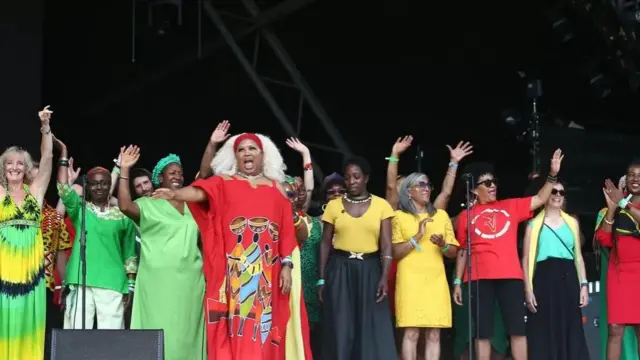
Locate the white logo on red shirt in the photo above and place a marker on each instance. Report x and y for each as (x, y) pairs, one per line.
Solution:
(491, 223)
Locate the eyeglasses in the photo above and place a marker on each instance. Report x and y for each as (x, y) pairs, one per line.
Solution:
(557, 192)
(336, 192)
(489, 182)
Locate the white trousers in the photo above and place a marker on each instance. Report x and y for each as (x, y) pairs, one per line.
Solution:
(107, 304)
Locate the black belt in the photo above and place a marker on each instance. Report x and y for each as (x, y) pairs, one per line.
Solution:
(356, 255)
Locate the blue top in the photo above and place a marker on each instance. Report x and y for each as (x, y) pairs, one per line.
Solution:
(550, 246)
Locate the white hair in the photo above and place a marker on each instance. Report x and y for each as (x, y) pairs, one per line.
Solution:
(273, 166)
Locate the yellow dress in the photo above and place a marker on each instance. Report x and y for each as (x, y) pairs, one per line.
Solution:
(422, 290)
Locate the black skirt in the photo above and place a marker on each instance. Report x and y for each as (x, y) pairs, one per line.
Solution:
(555, 332)
(354, 326)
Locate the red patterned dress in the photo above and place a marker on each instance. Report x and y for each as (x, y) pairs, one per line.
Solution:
(246, 232)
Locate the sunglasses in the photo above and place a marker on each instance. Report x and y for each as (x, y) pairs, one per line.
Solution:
(422, 185)
(336, 192)
(488, 182)
(558, 192)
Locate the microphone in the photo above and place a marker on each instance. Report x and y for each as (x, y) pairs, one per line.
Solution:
(466, 176)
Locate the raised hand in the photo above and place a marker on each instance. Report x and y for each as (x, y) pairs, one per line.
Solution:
(296, 145)
(614, 194)
(401, 145)
(45, 115)
(163, 193)
(129, 156)
(72, 175)
(460, 151)
(220, 134)
(556, 161)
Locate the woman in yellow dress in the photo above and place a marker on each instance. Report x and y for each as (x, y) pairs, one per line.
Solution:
(422, 235)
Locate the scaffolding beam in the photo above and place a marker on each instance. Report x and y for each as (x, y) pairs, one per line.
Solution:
(255, 78)
(298, 80)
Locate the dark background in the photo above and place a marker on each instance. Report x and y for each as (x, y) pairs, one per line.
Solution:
(440, 71)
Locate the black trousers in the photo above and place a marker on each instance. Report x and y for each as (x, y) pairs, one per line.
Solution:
(53, 321)
(355, 327)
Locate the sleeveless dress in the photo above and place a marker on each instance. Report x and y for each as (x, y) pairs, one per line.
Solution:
(22, 285)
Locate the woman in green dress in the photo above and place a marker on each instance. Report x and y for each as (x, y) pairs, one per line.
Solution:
(170, 282)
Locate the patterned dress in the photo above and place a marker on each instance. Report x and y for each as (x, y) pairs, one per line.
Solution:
(22, 285)
(246, 231)
(309, 258)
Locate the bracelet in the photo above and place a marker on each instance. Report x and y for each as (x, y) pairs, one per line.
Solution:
(116, 169)
(449, 174)
(308, 166)
(392, 159)
(552, 179)
(387, 257)
(453, 165)
(444, 248)
(131, 281)
(45, 132)
(320, 282)
(607, 221)
(414, 244)
(584, 282)
(63, 162)
(457, 281)
(123, 177)
(624, 202)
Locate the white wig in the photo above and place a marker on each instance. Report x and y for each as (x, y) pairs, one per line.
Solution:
(273, 167)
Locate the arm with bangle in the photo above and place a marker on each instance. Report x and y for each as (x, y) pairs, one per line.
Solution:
(456, 155)
(541, 198)
(401, 145)
(128, 158)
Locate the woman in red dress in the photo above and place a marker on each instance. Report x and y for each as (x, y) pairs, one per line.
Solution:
(250, 250)
(619, 231)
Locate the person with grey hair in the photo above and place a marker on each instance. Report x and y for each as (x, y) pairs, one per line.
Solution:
(422, 237)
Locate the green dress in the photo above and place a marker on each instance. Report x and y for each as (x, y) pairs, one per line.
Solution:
(629, 339)
(22, 284)
(170, 285)
(309, 268)
(499, 340)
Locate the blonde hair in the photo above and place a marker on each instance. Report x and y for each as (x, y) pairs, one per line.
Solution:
(273, 166)
(28, 165)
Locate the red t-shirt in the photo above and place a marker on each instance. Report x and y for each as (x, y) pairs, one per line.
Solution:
(494, 238)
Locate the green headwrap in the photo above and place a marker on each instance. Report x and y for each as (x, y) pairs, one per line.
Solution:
(157, 170)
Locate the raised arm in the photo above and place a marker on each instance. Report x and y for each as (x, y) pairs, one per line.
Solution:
(307, 167)
(218, 137)
(455, 156)
(128, 158)
(72, 176)
(542, 196)
(41, 182)
(401, 145)
(115, 173)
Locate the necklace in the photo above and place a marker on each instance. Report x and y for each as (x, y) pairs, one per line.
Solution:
(250, 177)
(356, 201)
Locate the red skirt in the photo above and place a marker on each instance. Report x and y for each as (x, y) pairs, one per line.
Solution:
(623, 292)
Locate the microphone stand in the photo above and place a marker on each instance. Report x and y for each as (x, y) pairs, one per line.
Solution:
(83, 251)
(468, 180)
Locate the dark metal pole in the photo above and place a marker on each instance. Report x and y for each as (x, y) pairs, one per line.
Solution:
(298, 79)
(260, 85)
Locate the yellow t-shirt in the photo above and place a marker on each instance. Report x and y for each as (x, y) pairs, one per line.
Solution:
(357, 234)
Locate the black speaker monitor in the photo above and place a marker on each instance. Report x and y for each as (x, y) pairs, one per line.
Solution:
(107, 344)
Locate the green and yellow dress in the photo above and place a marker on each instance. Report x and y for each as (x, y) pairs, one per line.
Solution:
(22, 285)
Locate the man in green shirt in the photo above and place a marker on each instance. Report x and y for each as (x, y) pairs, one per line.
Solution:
(110, 254)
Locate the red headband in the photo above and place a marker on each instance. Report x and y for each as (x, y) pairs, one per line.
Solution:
(97, 169)
(247, 136)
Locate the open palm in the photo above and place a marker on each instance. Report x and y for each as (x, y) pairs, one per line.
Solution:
(297, 145)
(460, 151)
(402, 144)
(220, 134)
(129, 156)
(72, 174)
(556, 161)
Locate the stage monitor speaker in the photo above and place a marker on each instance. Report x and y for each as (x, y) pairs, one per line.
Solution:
(107, 345)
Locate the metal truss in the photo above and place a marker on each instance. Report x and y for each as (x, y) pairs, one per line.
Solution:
(296, 80)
